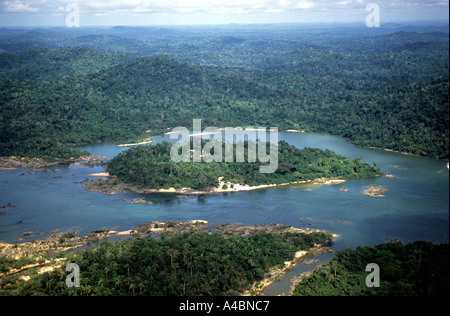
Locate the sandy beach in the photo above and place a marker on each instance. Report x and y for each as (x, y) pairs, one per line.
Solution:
(276, 273)
(233, 187)
(145, 142)
(294, 131)
(62, 242)
(106, 186)
(225, 187)
(101, 174)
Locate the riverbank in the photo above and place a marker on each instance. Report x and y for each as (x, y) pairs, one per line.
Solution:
(233, 187)
(144, 142)
(21, 262)
(12, 162)
(277, 273)
(42, 254)
(107, 184)
(156, 228)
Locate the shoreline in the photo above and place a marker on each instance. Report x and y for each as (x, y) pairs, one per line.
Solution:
(62, 242)
(38, 251)
(106, 186)
(276, 273)
(144, 142)
(375, 191)
(13, 162)
(297, 279)
(394, 151)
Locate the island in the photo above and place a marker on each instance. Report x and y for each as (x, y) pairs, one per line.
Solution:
(375, 191)
(13, 162)
(150, 169)
(175, 258)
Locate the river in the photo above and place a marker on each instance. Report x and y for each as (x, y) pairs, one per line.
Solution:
(416, 206)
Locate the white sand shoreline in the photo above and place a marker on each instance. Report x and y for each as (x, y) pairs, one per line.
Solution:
(223, 187)
(136, 144)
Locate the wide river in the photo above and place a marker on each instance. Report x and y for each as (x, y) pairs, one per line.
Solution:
(416, 206)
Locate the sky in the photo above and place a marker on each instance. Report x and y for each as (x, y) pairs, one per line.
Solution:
(199, 12)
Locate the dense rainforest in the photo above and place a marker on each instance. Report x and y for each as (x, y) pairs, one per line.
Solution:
(388, 90)
(386, 87)
(189, 264)
(152, 166)
(416, 269)
(223, 264)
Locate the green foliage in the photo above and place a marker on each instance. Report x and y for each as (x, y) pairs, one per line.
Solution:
(6, 264)
(417, 269)
(39, 64)
(152, 166)
(197, 264)
(389, 91)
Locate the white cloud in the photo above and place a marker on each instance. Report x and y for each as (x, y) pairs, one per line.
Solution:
(103, 6)
(305, 5)
(175, 10)
(19, 7)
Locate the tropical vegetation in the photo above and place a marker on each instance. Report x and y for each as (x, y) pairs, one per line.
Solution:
(415, 269)
(189, 264)
(388, 90)
(153, 167)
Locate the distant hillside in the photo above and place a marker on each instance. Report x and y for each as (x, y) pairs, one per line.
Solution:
(396, 98)
(41, 64)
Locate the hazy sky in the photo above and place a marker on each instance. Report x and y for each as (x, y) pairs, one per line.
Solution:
(176, 12)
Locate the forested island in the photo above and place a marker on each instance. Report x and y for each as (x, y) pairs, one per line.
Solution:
(151, 167)
(186, 259)
(194, 259)
(386, 88)
(388, 91)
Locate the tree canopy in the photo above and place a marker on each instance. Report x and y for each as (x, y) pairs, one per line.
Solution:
(190, 264)
(388, 91)
(416, 269)
(152, 166)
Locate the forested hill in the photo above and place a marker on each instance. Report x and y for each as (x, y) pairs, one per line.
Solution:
(72, 95)
(157, 170)
(40, 64)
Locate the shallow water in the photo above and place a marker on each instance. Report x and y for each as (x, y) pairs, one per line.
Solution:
(415, 208)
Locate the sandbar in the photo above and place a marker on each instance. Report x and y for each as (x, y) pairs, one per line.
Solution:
(106, 186)
(145, 142)
(375, 191)
(101, 174)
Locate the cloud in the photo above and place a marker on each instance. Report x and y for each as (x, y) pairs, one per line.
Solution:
(251, 6)
(265, 10)
(305, 5)
(19, 7)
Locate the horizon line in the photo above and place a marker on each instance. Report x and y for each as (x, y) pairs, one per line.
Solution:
(422, 21)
